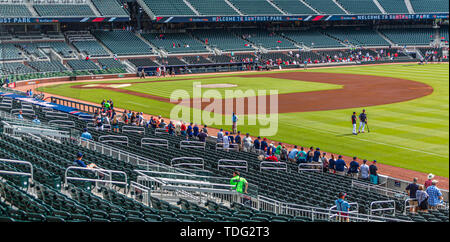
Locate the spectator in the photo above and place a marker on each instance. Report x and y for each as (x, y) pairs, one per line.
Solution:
(220, 136)
(247, 142)
(301, 156)
(263, 145)
(36, 120)
(278, 150)
(353, 170)
(205, 129)
(183, 129)
(310, 154)
(316, 155)
(238, 183)
(340, 166)
(373, 169)
(272, 157)
(171, 128)
(125, 117)
(162, 124)
(257, 145)
(422, 199)
(284, 153)
(231, 138)
(435, 195)
(332, 164)
(238, 140)
(20, 116)
(293, 154)
(195, 130)
(411, 189)
(178, 128)
(115, 125)
(202, 136)
(342, 207)
(78, 161)
(364, 170)
(226, 141)
(324, 161)
(99, 122)
(429, 180)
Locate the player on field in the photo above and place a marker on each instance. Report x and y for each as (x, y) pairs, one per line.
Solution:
(362, 121)
(354, 122)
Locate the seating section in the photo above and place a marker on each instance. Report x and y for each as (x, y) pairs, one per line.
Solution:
(255, 7)
(430, 6)
(409, 36)
(213, 7)
(122, 42)
(47, 66)
(110, 63)
(196, 60)
(109, 8)
(60, 10)
(176, 43)
(325, 6)
(268, 40)
(14, 10)
(358, 36)
(79, 65)
(293, 7)
(171, 61)
(313, 39)
(14, 68)
(169, 8)
(91, 48)
(143, 62)
(10, 52)
(360, 6)
(394, 6)
(222, 39)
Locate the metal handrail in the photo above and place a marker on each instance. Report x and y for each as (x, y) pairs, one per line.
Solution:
(112, 140)
(133, 129)
(103, 171)
(232, 166)
(261, 167)
(312, 165)
(371, 210)
(187, 144)
(164, 142)
(31, 174)
(202, 164)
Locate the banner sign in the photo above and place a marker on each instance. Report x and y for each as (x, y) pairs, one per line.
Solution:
(283, 18)
(23, 20)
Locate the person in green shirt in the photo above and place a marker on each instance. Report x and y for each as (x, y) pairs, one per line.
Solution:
(238, 182)
(278, 150)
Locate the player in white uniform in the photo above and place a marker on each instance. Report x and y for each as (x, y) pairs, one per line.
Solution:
(354, 122)
(362, 121)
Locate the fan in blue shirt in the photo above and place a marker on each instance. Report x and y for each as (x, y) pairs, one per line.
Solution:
(79, 162)
(340, 164)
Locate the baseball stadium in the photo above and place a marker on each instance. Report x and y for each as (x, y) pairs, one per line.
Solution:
(244, 111)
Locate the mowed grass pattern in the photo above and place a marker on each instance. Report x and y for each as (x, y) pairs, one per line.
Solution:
(412, 134)
(248, 85)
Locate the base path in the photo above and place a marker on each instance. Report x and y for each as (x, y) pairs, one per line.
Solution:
(356, 91)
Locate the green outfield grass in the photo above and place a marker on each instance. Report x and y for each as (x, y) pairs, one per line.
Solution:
(164, 89)
(412, 134)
